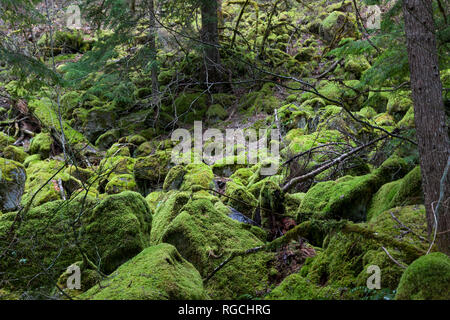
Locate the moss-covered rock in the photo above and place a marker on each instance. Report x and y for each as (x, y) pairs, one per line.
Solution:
(348, 197)
(338, 25)
(150, 172)
(5, 140)
(427, 278)
(120, 183)
(12, 184)
(41, 144)
(405, 191)
(297, 287)
(108, 232)
(157, 273)
(15, 153)
(203, 234)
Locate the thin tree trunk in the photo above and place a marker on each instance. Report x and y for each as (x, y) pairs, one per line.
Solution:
(152, 44)
(210, 39)
(431, 128)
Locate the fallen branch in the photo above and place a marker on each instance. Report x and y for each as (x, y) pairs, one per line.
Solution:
(328, 165)
(392, 258)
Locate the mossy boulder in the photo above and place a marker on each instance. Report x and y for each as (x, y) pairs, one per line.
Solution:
(107, 139)
(5, 140)
(41, 144)
(297, 287)
(338, 25)
(343, 262)
(44, 109)
(120, 183)
(157, 273)
(348, 197)
(43, 182)
(204, 235)
(427, 278)
(405, 191)
(12, 184)
(15, 153)
(109, 233)
(150, 172)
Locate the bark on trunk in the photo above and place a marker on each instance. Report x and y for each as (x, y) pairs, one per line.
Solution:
(430, 119)
(210, 39)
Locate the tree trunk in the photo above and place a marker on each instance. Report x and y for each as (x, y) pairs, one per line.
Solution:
(430, 119)
(152, 44)
(210, 39)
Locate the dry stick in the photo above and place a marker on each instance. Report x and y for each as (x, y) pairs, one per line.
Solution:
(392, 258)
(330, 69)
(233, 255)
(441, 197)
(238, 21)
(315, 172)
(407, 228)
(310, 150)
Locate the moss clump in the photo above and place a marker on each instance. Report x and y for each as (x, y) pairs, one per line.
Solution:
(106, 140)
(41, 144)
(292, 202)
(240, 199)
(405, 191)
(340, 24)
(348, 197)
(15, 153)
(109, 232)
(408, 120)
(174, 178)
(216, 112)
(41, 177)
(5, 140)
(197, 175)
(118, 149)
(356, 65)
(296, 287)
(157, 273)
(12, 184)
(202, 233)
(44, 111)
(120, 183)
(151, 171)
(30, 159)
(427, 278)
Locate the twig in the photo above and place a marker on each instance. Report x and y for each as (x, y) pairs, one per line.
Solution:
(392, 258)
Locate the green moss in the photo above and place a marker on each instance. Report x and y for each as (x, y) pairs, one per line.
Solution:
(157, 273)
(12, 183)
(407, 121)
(242, 176)
(378, 101)
(151, 171)
(31, 159)
(5, 140)
(120, 183)
(340, 24)
(201, 232)
(356, 65)
(405, 191)
(216, 112)
(348, 197)
(240, 199)
(105, 140)
(197, 175)
(384, 119)
(427, 278)
(41, 144)
(136, 139)
(174, 178)
(398, 104)
(44, 111)
(296, 287)
(154, 199)
(292, 202)
(118, 149)
(145, 149)
(15, 153)
(109, 233)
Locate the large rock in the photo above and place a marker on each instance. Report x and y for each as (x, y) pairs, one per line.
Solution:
(157, 273)
(12, 184)
(197, 224)
(108, 232)
(427, 278)
(348, 197)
